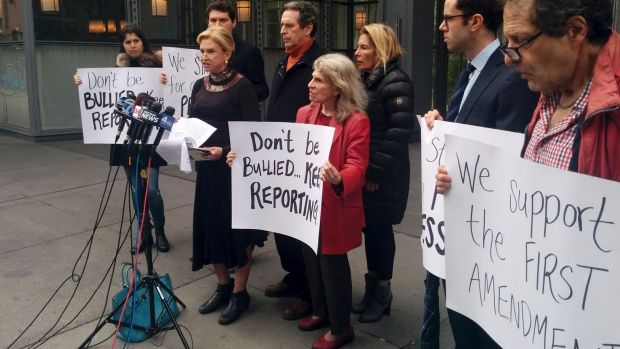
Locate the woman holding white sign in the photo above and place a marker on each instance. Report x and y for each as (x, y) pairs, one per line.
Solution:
(136, 52)
(337, 100)
(222, 96)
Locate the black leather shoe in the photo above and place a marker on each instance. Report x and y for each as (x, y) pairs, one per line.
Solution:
(239, 302)
(160, 240)
(220, 297)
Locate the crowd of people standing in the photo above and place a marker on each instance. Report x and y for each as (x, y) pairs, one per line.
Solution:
(368, 100)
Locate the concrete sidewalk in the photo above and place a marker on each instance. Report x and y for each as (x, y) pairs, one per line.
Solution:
(49, 198)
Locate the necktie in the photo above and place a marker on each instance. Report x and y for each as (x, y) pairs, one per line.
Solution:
(459, 90)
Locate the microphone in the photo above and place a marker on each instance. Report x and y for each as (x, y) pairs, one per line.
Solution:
(131, 112)
(166, 120)
(150, 119)
(123, 111)
(136, 125)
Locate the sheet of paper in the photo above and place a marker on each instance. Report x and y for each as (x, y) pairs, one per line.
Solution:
(174, 151)
(192, 130)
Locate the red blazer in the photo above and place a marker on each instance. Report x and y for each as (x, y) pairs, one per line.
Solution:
(342, 216)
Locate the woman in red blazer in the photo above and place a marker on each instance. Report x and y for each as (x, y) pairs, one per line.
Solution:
(337, 100)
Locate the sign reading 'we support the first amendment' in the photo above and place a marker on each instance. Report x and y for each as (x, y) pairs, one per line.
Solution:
(99, 91)
(533, 251)
(432, 156)
(275, 177)
(182, 67)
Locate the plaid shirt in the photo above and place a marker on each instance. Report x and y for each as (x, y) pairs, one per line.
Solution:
(554, 147)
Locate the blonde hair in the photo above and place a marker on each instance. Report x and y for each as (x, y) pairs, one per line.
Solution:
(221, 36)
(342, 73)
(385, 41)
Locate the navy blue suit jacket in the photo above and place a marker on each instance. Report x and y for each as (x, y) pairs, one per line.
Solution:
(499, 98)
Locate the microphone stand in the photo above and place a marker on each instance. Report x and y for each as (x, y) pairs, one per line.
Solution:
(153, 283)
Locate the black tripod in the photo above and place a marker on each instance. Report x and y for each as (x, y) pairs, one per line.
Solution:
(153, 283)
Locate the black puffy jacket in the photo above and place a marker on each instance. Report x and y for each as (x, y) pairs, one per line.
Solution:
(390, 109)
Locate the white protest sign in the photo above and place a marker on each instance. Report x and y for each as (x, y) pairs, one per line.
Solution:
(433, 155)
(275, 177)
(182, 67)
(99, 91)
(532, 250)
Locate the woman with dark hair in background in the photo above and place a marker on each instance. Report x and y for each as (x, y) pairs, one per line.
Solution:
(390, 109)
(136, 52)
(222, 96)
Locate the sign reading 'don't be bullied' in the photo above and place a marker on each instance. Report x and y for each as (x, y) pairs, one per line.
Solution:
(432, 155)
(275, 177)
(182, 67)
(532, 251)
(99, 91)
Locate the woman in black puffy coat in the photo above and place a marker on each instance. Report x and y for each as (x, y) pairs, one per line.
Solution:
(390, 109)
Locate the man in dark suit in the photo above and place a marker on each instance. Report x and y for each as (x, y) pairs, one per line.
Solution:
(289, 93)
(247, 59)
(488, 94)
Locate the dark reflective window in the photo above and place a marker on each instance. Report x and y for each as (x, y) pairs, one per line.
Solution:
(11, 20)
(78, 20)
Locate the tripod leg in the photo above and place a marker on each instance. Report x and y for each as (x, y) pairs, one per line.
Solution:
(108, 319)
(169, 311)
(174, 296)
(86, 342)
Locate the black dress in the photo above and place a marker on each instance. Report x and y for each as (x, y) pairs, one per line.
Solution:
(217, 102)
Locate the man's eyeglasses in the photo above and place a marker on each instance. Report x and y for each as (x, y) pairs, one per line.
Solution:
(447, 19)
(513, 52)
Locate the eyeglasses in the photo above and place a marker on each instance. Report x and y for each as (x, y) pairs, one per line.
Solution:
(513, 52)
(447, 19)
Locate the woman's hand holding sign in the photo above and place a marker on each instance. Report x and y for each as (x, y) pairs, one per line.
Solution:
(330, 174)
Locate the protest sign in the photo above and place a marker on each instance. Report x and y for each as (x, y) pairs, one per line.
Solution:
(432, 155)
(99, 91)
(275, 177)
(532, 253)
(182, 67)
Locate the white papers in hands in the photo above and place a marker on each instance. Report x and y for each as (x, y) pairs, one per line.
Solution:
(186, 132)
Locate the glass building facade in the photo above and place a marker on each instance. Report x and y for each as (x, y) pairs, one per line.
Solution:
(43, 42)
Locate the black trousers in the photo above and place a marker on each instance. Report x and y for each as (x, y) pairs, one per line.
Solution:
(468, 334)
(292, 261)
(380, 249)
(329, 278)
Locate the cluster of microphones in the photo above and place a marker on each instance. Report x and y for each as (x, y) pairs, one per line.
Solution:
(142, 114)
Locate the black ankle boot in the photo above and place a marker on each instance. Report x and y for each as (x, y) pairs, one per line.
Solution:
(371, 285)
(160, 240)
(220, 297)
(380, 305)
(239, 302)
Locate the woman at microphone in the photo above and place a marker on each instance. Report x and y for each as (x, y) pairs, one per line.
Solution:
(136, 52)
(223, 95)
